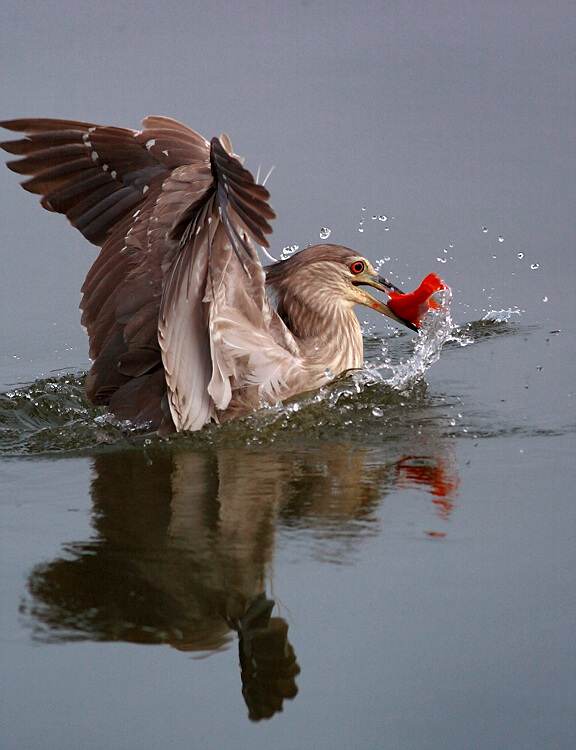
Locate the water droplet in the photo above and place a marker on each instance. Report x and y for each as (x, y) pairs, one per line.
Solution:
(288, 251)
(377, 411)
(500, 239)
(520, 255)
(382, 218)
(484, 229)
(534, 266)
(544, 299)
(360, 229)
(329, 374)
(386, 229)
(325, 233)
(441, 260)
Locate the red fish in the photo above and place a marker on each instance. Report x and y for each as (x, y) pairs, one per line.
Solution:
(412, 307)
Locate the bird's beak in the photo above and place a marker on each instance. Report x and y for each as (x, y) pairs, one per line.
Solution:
(379, 282)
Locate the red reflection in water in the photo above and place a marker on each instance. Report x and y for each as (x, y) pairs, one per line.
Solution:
(437, 476)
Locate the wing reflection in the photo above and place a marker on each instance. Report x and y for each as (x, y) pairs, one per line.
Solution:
(183, 547)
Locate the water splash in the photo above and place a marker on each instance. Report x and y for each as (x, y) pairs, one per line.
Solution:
(388, 399)
(501, 316)
(325, 233)
(362, 220)
(288, 251)
(52, 415)
(436, 330)
(379, 263)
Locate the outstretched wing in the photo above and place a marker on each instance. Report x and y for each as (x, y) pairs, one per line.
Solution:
(98, 175)
(223, 345)
(108, 181)
(180, 328)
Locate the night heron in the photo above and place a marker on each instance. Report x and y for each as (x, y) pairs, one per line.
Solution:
(181, 329)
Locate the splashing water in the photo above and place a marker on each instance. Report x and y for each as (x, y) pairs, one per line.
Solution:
(362, 220)
(288, 251)
(53, 415)
(501, 316)
(379, 263)
(437, 329)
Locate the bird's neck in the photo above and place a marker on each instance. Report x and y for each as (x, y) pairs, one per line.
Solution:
(329, 338)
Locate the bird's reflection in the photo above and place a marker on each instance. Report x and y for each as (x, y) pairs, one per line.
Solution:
(183, 547)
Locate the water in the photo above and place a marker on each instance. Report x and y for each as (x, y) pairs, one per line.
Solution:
(53, 415)
(388, 562)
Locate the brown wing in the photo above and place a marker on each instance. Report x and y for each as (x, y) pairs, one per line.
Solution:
(108, 181)
(213, 258)
(137, 194)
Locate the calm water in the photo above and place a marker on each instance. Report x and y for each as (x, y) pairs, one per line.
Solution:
(389, 563)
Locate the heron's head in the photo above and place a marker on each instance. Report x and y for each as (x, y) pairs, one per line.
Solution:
(322, 276)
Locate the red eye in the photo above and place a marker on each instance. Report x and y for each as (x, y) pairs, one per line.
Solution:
(357, 267)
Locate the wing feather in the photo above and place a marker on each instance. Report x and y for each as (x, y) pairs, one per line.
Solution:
(181, 330)
(225, 351)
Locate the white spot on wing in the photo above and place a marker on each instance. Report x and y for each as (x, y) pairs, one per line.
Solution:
(105, 167)
(94, 156)
(145, 188)
(113, 174)
(150, 143)
(165, 151)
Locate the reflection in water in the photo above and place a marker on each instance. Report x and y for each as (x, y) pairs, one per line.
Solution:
(184, 543)
(437, 476)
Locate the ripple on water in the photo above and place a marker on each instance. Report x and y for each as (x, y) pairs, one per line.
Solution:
(51, 415)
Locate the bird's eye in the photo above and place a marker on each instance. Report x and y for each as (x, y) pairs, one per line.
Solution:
(357, 267)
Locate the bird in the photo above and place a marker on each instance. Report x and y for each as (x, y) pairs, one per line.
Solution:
(186, 326)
